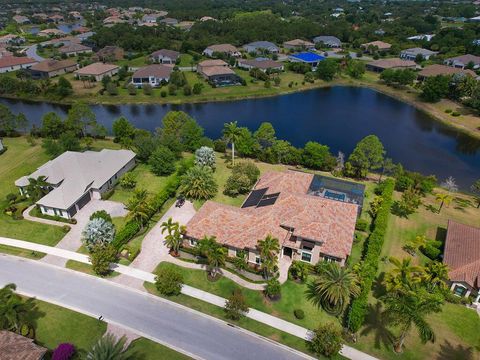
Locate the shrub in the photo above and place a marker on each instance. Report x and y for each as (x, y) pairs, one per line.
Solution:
(97, 232)
(299, 314)
(205, 156)
(128, 181)
(108, 194)
(198, 183)
(111, 89)
(65, 228)
(101, 256)
(299, 270)
(187, 90)
(169, 281)
(455, 113)
(162, 161)
(126, 233)
(361, 225)
(132, 90)
(244, 175)
(101, 214)
(432, 249)
(448, 111)
(373, 247)
(163, 93)
(147, 89)
(220, 145)
(63, 351)
(197, 88)
(11, 198)
(327, 340)
(236, 305)
(273, 289)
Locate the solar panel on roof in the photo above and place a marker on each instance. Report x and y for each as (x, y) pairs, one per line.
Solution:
(254, 198)
(267, 202)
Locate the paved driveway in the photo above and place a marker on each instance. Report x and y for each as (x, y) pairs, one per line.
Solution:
(72, 240)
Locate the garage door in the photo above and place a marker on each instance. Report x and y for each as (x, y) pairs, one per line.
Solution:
(83, 200)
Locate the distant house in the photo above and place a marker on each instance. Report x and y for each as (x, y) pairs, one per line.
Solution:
(77, 177)
(309, 58)
(15, 346)
(260, 47)
(225, 49)
(149, 18)
(207, 18)
(393, 63)
(218, 73)
(50, 68)
(262, 64)
(169, 21)
(436, 69)
(154, 75)
(12, 39)
(411, 54)
(463, 61)
(462, 256)
(426, 37)
(298, 44)
(165, 56)
(185, 25)
(97, 71)
(4, 52)
(20, 19)
(109, 54)
(378, 45)
(56, 18)
(379, 32)
(74, 49)
(14, 63)
(51, 32)
(329, 41)
(209, 63)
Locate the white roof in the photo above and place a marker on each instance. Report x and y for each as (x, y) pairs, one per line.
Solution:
(74, 173)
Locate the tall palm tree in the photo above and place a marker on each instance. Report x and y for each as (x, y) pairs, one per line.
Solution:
(333, 288)
(435, 275)
(139, 207)
(37, 188)
(109, 348)
(403, 276)
(216, 256)
(169, 226)
(269, 249)
(14, 311)
(232, 132)
(443, 199)
(409, 310)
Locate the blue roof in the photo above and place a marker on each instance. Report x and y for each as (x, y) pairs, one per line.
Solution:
(308, 57)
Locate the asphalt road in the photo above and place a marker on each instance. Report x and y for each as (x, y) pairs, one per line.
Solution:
(32, 53)
(204, 337)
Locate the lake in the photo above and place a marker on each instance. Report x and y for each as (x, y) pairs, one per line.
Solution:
(338, 117)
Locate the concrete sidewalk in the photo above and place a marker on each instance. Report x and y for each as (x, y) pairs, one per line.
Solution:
(259, 316)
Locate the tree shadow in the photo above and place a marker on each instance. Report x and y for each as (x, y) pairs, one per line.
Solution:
(449, 351)
(441, 235)
(375, 323)
(431, 208)
(378, 287)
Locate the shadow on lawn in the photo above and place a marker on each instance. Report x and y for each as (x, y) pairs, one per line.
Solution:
(376, 324)
(450, 351)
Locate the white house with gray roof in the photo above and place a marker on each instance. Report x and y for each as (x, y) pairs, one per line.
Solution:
(327, 40)
(411, 54)
(260, 47)
(74, 178)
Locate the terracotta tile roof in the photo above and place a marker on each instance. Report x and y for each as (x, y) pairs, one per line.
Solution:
(8, 61)
(465, 59)
(436, 69)
(172, 54)
(394, 63)
(95, 69)
(329, 222)
(15, 347)
(72, 47)
(462, 253)
(381, 45)
(261, 64)
(223, 48)
(158, 71)
(53, 65)
(217, 70)
(298, 42)
(213, 62)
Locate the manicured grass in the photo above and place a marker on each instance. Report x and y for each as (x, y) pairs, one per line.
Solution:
(86, 268)
(186, 60)
(10, 250)
(293, 297)
(146, 349)
(58, 325)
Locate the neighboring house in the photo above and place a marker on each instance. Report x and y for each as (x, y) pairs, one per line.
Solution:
(378, 45)
(436, 69)
(185, 25)
(73, 49)
(298, 44)
(226, 49)
(51, 32)
(56, 18)
(393, 63)
(261, 47)
(155, 75)
(14, 346)
(20, 19)
(379, 32)
(462, 256)
(426, 37)
(4, 52)
(97, 71)
(330, 41)
(149, 18)
(13, 63)
(311, 221)
(218, 73)
(260, 63)
(411, 54)
(169, 21)
(165, 56)
(309, 58)
(463, 61)
(210, 63)
(12, 39)
(207, 18)
(112, 20)
(50, 68)
(74, 178)
(109, 53)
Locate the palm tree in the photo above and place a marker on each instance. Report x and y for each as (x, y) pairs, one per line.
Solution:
(139, 207)
(13, 309)
(169, 226)
(216, 256)
(269, 249)
(435, 275)
(412, 246)
(443, 199)
(37, 188)
(174, 241)
(232, 132)
(409, 310)
(403, 276)
(333, 288)
(109, 348)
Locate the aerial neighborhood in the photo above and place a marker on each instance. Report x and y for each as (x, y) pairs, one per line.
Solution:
(216, 179)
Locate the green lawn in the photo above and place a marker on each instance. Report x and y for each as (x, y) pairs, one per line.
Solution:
(185, 60)
(146, 349)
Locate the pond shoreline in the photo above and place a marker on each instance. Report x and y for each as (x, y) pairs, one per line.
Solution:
(398, 94)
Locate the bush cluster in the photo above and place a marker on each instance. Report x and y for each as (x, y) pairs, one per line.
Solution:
(368, 270)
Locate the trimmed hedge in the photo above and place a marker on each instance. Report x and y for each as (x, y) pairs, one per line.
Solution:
(373, 248)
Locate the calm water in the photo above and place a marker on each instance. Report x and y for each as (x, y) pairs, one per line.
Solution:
(337, 116)
(66, 28)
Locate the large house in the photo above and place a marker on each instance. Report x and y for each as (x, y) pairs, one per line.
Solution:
(109, 53)
(74, 178)
(309, 58)
(462, 256)
(262, 64)
(463, 61)
(218, 73)
(50, 68)
(391, 63)
(224, 49)
(261, 47)
(14, 63)
(154, 75)
(413, 53)
(298, 44)
(377, 45)
(74, 49)
(97, 71)
(437, 69)
(313, 217)
(165, 56)
(329, 41)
